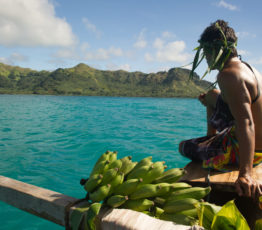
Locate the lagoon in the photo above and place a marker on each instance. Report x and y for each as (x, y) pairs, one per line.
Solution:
(54, 141)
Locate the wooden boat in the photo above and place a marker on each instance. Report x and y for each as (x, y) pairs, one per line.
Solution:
(223, 190)
(56, 207)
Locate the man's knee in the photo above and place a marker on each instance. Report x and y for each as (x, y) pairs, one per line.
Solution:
(211, 97)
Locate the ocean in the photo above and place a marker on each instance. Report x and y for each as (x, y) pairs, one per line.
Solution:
(54, 141)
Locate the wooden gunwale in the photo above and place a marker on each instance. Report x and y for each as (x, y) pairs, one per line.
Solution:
(56, 207)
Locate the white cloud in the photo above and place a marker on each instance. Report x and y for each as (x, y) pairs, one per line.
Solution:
(6, 61)
(103, 54)
(18, 57)
(243, 52)
(257, 61)
(149, 57)
(84, 46)
(173, 51)
(158, 43)
(125, 67)
(91, 27)
(245, 34)
(65, 53)
(13, 59)
(141, 42)
(169, 52)
(115, 51)
(226, 5)
(167, 34)
(33, 23)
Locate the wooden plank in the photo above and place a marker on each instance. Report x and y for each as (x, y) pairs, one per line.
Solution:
(220, 180)
(38, 201)
(54, 206)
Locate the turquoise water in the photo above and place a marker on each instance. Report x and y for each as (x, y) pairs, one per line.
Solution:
(53, 141)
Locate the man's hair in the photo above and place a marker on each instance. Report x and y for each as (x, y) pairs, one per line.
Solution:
(213, 33)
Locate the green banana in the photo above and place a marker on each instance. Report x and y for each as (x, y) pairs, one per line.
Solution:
(127, 164)
(127, 187)
(116, 200)
(150, 190)
(175, 187)
(180, 205)
(139, 205)
(179, 185)
(158, 211)
(144, 191)
(93, 182)
(100, 168)
(178, 218)
(170, 176)
(109, 175)
(119, 178)
(156, 169)
(115, 164)
(190, 212)
(139, 172)
(144, 162)
(159, 201)
(194, 192)
(103, 157)
(162, 189)
(100, 193)
(112, 156)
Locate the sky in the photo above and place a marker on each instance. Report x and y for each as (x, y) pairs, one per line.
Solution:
(132, 35)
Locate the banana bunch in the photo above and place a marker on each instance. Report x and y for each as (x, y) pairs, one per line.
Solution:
(144, 186)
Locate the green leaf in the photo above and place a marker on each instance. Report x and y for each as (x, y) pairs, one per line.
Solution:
(225, 39)
(77, 216)
(229, 217)
(91, 215)
(195, 62)
(225, 59)
(220, 53)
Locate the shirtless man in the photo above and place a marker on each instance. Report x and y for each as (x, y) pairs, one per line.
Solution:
(235, 110)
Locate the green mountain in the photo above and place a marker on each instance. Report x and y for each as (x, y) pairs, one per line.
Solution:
(84, 80)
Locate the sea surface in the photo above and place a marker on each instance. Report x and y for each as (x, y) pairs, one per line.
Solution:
(54, 141)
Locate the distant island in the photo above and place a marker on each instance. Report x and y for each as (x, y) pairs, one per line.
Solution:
(85, 80)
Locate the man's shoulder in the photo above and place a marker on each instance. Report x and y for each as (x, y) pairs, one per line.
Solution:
(229, 75)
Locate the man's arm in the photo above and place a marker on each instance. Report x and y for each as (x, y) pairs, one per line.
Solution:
(237, 96)
(209, 100)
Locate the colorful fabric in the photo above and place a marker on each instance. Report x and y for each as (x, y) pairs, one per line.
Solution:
(218, 150)
(215, 152)
(230, 155)
(203, 148)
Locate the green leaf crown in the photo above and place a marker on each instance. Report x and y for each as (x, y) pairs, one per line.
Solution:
(225, 48)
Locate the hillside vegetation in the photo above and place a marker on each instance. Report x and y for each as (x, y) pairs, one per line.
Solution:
(84, 80)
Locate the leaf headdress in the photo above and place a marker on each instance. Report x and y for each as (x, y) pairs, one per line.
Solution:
(224, 48)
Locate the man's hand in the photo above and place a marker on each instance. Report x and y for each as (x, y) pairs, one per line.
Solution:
(209, 98)
(202, 99)
(247, 186)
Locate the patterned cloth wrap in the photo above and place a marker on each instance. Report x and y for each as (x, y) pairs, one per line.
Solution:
(231, 154)
(218, 150)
